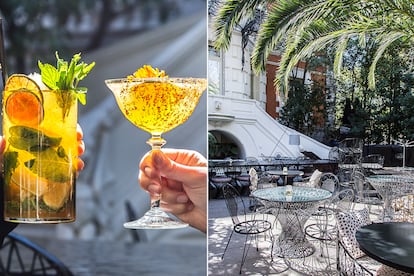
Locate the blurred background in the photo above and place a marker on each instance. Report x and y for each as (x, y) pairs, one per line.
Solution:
(120, 36)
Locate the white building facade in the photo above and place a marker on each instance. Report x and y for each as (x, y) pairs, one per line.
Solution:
(236, 108)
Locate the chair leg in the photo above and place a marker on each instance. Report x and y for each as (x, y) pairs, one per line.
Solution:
(227, 245)
(245, 251)
(271, 249)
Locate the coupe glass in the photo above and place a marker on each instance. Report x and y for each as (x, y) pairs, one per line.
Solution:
(157, 105)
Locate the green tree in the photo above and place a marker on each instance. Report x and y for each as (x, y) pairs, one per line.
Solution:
(378, 115)
(304, 109)
(306, 27)
(33, 28)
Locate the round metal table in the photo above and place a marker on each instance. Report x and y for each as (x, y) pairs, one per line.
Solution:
(292, 211)
(391, 187)
(390, 243)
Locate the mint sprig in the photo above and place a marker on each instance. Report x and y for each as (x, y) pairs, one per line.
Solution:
(64, 79)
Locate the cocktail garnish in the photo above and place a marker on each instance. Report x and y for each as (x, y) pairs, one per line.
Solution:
(147, 71)
(23, 100)
(64, 79)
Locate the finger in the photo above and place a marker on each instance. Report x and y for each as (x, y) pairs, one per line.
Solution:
(149, 183)
(81, 147)
(146, 161)
(81, 164)
(79, 132)
(173, 197)
(2, 147)
(188, 157)
(173, 184)
(2, 144)
(176, 209)
(176, 202)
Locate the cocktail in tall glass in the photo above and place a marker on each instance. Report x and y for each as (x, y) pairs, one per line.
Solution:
(40, 128)
(40, 155)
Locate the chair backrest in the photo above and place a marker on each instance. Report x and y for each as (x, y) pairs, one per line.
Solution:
(351, 143)
(220, 172)
(243, 171)
(359, 181)
(20, 256)
(315, 178)
(253, 179)
(348, 223)
(329, 182)
(234, 203)
(343, 201)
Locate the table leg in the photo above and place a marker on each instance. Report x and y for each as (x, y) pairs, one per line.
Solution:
(292, 241)
(388, 211)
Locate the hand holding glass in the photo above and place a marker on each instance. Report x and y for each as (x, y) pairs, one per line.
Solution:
(157, 105)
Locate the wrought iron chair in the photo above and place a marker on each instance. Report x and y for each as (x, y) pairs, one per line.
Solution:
(330, 182)
(364, 193)
(219, 180)
(350, 150)
(20, 256)
(244, 224)
(243, 182)
(324, 228)
(312, 181)
(350, 259)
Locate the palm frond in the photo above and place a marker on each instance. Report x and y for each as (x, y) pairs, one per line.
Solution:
(229, 15)
(305, 27)
(384, 42)
(341, 45)
(289, 16)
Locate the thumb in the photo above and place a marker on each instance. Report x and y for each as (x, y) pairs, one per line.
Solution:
(173, 170)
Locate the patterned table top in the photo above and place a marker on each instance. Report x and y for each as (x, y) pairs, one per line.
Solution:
(299, 194)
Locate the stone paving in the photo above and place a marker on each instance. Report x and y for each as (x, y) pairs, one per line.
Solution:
(322, 262)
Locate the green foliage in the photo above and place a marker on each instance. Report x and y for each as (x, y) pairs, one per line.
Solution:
(219, 149)
(10, 161)
(222, 150)
(35, 29)
(304, 109)
(65, 77)
(383, 114)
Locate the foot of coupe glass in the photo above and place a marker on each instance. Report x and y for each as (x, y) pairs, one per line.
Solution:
(155, 218)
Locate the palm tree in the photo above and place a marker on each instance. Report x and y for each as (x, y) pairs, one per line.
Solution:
(308, 27)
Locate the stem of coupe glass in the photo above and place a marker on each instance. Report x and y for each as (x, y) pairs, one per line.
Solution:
(156, 142)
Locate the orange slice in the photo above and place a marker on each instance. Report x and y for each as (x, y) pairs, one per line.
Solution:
(16, 193)
(24, 178)
(24, 100)
(57, 195)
